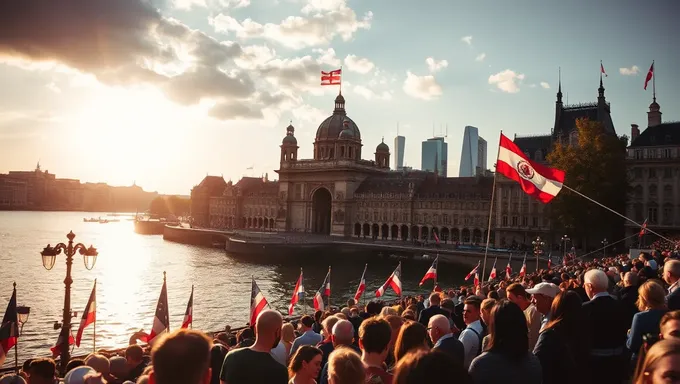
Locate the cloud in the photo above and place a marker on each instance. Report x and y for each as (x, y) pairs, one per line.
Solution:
(507, 80)
(467, 40)
(212, 4)
(359, 64)
(309, 114)
(632, 71)
(327, 57)
(422, 87)
(321, 22)
(370, 95)
(436, 66)
(480, 57)
(545, 85)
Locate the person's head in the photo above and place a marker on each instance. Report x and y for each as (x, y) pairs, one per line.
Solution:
(306, 323)
(493, 294)
(12, 379)
(42, 371)
(670, 325)
(395, 324)
(433, 367)
(182, 357)
(328, 325)
(566, 311)
(595, 281)
(412, 336)
(74, 363)
(542, 295)
(306, 362)
(288, 332)
(386, 311)
(119, 366)
(651, 295)
(345, 367)
(671, 271)
(508, 332)
(630, 279)
(134, 354)
(661, 364)
(99, 363)
(354, 312)
(343, 333)
(435, 299)
(409, 314)
(317, 316)
(268, 328)
(438, 326)
(351, 303)
(77, 375)
(471, 309)
(518, 295)
(485, 309)
(375, 335)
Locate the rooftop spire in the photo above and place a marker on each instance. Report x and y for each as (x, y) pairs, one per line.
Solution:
(601, 89)
(559, 84)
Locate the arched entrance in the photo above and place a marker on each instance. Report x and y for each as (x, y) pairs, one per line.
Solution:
(321, 211)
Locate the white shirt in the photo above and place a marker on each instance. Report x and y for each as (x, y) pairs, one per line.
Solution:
(600, 294)
(673, 287)
(471, 341)
(279, 354)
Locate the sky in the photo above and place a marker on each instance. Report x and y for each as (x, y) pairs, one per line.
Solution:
(163, 92)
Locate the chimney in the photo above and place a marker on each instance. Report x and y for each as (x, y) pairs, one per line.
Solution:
(634, 132)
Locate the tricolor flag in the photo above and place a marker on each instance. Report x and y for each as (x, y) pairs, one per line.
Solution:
(476, 280)
(643, 229)
(89, 314)
(436, 238)
(331, 78)
(298, 294)
(539, 181)
(189, 314)
(257, 302)
(431, 273)
(602, 71)
(508, 268)
(362, 285)
(650, 74)
(56, 350)
(161, 320)
(324, 290)
(492, 275)
(9, 329)
(550, 261)
(523, 271)
(393, 281)
(474, 270)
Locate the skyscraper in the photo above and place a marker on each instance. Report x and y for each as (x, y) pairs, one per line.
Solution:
(399, 145)
(435, 152)
(473, 154)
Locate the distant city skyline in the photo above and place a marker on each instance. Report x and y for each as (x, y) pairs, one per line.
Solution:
(399, 148)
(434, 156)
(473, 154)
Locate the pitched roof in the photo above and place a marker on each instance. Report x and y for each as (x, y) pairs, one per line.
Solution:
(662, 134)
(590, 111)
(257, 184)
(392, 182)
(531, 144)
(424, 183)
(213, 182)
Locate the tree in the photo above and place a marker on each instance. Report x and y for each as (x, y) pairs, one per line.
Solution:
(595, 167)
(165, 205)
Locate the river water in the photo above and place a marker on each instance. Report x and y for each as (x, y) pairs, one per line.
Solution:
(129, 273)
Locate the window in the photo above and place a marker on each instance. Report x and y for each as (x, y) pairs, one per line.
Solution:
(667, 215)
(504, 221)
(637, 191)
(667, 173)
(651, 154)
(525, 221)
(652, 214)
(637, 173)
(653, 191)
(652, 172)
(666, 153)
(638, 154)
(534, 222)
(446, 219)
(514, 221)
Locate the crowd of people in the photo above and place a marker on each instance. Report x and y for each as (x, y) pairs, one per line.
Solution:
(611, 320)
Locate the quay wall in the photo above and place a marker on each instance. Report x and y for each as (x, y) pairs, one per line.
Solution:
(195, 236)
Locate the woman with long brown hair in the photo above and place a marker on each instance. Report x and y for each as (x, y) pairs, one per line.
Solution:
(412, 336)
(305, 365)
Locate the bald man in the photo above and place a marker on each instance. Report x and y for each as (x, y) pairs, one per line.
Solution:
(671, 274)
(255, 364)
(439, 329)
(342, 335)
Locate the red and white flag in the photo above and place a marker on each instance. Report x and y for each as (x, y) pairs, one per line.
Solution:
(474, 270)
(508, 268)
(56, 350)
(331, 78)
(643, 229)
(436, 238)
(550, 261)
(431, 273)
(602, 71)
(523, 271)
(393, 281)
(189, 314)
(298, 294)
(325, 290)
(9, 328)
(257, 302)
(539, 181)
(161, 320)
(362, 285)
(89, 314)
(650, 74)
(492, 275)
(476, 280)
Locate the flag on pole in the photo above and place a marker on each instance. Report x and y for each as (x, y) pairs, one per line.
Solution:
(508, 268)
(650, 74)
(474, 270)
(362, 285)
(9, 329)
(549, 261)
(539, 181)
(393, 281)
(523, 271)
(436, 238)
(643, 229)
(298, 294)
(89, 314)
(161, 320)
(189, 314)
(492, 275)
(56, 350)
(325, 290)
(476, 280)
(331, 78)
(257, 302)
(602, 71)
(431, 273)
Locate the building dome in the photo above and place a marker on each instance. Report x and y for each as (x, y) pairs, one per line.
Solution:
(382, 147)
(337, 123)
(289, 139)
(346, 133)
(654, 106)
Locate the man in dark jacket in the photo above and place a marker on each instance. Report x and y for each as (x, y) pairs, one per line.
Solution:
(629, 293)
(440, 333)
(671, 274)
(432, 310)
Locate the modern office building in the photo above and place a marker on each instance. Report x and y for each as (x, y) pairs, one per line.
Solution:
(399, 145)
(473, 154)
(435, 154)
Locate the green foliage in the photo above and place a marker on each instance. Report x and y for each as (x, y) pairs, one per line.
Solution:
(596, 168)
(166, 205)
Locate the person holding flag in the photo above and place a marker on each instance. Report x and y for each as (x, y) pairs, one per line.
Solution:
(298, 294)
(431, 273)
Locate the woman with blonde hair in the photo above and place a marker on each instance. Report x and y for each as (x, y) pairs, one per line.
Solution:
(345, 367)
(661, 365)
(652, 305)
(287, 337)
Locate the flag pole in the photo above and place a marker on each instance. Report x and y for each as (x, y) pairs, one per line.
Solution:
(654, 83)
(493, 196)
(402, 290)
(324, 288)
(613, 211)
(341, 76)
(191, 325)
(94, 324)
(16, 344)
(436, 270)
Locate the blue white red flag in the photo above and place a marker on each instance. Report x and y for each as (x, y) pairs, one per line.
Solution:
(325, 290)
(298, 294)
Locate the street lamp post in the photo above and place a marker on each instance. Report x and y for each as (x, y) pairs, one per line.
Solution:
(604, 247)
(538, 249)
(49, 256)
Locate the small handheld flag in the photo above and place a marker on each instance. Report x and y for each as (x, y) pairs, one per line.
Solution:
(362, 285)
(189, 314)
(393, 281)
(9, 328)
(431, 273)
(89, 314)
(474, 270)
(298, 294)
(324, 290)
(161, 320)
(257, 302)
(492, 275)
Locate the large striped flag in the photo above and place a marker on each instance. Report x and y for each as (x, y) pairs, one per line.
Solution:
(189, 314)
(362, 285)
(333, 77)
(161, 320)
(298, 294)
(89, 314)
(325, 290)
(472, 273)
(9, 328)
(257, 302)
(393, 281)
(650, 74)
(432, 272)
